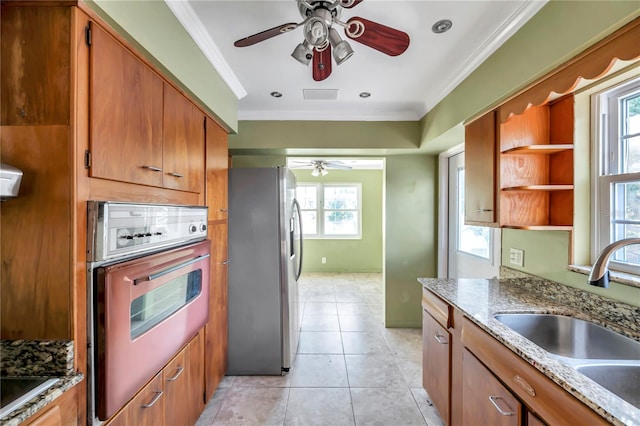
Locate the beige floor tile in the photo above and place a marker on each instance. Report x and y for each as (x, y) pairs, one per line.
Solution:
(320, 342)
(319, 407)
(253, 407)
(364, 342)
(212, 408)
(410, 366)
(353, 309)
(373, 371)
(427, 409)
(311, 322)
(406, 341)
(320, 308)
(358, 323)
(283, 381)
(385, 407)
(319, 371)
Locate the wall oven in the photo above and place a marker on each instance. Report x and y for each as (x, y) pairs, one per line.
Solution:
(148, 290)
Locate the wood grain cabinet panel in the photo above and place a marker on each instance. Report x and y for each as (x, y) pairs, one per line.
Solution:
(217, 326)
(486, 400)
(60, 412)
(125, 114)
(436, 365)
(183, 155)
(217, 171)
(480, 171)
(147, 407)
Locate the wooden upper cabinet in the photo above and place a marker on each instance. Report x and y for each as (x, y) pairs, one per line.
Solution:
(183, 143)
(125, 114)
(480, 171)
(217, 171)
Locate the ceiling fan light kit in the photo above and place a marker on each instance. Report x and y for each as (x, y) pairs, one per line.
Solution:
(321, 39)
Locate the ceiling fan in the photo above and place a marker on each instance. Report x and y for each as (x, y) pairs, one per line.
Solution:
(321, 39)
(320, 166)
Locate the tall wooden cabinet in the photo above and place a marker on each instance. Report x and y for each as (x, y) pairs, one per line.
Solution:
(86, 117)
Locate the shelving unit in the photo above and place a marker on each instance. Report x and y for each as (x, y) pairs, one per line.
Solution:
(536, 167)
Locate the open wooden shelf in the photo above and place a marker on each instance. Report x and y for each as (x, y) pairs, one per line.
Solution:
(539, 188)
(541, 227)
(539, 149)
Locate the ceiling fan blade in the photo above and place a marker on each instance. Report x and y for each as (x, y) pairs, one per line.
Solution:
(321, 64)
(338, 166)
(348, 4)
(380, 37)
(266, 34)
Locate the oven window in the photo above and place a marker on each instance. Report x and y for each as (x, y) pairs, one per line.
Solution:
(155, 306)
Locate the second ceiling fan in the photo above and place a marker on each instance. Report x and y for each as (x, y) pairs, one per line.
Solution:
(322, 40)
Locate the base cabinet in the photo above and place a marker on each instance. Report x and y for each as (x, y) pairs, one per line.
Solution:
(175, 396)
(485, 398)
(61, 412)
(436, 376)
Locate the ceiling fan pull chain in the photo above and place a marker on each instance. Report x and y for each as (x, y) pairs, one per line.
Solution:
(357, 31)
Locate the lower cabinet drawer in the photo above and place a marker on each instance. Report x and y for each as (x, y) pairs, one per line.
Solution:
(486, 400)
(539, 393)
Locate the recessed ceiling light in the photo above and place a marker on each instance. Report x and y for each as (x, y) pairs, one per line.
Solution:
(442, 26)
(276, 94)
(364, 94)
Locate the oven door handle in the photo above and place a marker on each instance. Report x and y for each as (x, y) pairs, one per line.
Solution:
(157, 275)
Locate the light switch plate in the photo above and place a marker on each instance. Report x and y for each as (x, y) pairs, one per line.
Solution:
(516, 257)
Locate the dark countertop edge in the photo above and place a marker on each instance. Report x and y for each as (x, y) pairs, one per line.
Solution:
(540, 359)
(42, 400)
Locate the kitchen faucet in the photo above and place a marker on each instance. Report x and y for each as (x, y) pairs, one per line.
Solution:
(599, 275)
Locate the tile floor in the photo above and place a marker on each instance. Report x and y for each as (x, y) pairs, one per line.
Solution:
(349, 369)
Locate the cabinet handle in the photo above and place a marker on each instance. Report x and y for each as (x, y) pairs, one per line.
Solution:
(494, 401)
(224, 210)
(524, 385)
(175, 377)
(440, 339)
(225, 262)
(152, 168)
(484, 210)
(174, 174)
(154, 400)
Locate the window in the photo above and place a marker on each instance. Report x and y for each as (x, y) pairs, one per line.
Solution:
(617, 186)
(473, 240)
(330, 210)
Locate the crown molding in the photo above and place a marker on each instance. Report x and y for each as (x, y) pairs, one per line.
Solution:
(187, 17)
(508, 27)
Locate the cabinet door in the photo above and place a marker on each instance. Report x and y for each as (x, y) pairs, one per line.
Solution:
(183, 143)
(176, 389)
(194, 399)
(480, 170)
(125, 114)
(436, 374)
(485, 398)
(147, 408)
(217, 171)
(216, 328)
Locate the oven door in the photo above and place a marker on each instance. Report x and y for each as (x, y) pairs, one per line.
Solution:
(147, 309)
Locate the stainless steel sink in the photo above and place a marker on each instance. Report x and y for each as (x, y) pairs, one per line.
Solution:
(572, 337)
(623, 380)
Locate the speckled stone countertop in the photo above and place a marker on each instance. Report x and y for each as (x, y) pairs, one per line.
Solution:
(480, 299)
(44, 358)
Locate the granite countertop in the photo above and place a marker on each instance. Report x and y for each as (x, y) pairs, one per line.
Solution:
(480, 299)
(42, 358)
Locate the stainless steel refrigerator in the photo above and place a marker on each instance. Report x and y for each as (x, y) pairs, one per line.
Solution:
(265, 253)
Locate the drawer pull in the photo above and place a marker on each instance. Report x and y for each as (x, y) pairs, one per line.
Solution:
(175, 377)
(152, 168)
(154, 400)
(524, 385)
(494, 401)
(483, 210)
(225, 262)
(174, 174)
(224, 210)
(441, 339)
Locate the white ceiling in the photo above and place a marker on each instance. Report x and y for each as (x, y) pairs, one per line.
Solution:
(404, 87)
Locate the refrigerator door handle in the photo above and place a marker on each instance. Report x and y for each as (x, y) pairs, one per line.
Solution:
(299, 214)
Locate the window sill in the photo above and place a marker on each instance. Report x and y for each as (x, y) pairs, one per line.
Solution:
(619, 277)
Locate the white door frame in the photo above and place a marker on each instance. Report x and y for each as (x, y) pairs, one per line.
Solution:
(443, 208)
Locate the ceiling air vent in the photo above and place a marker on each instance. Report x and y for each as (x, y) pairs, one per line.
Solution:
(320, 94)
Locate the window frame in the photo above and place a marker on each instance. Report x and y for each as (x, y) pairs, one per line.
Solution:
(605, 164)
(320, 210)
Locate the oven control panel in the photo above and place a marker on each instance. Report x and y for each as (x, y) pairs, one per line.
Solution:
(126, 229)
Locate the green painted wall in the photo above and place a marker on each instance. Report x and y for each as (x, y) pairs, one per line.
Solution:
(410, 235)
(347, 255)
(155, 31)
